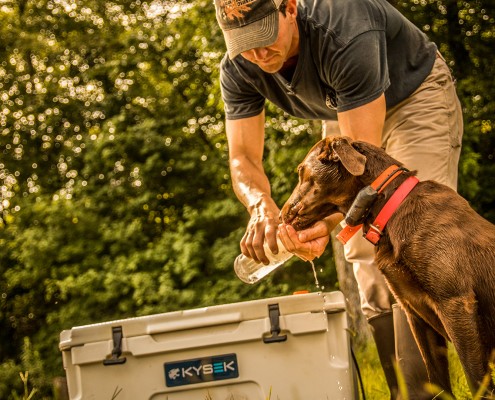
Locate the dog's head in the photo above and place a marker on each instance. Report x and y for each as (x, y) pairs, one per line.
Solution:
(328, 182)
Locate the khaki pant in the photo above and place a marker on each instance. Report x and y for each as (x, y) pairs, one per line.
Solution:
(424, 132)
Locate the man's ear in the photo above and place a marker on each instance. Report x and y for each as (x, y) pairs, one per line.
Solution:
(339, 148)
(292, 8)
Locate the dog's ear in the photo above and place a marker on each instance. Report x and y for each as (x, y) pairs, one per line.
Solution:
(340, 149)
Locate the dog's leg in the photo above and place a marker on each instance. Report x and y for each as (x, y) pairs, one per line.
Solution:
(460, 318)
(433, 347)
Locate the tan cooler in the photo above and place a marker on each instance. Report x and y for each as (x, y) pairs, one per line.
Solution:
(284, 348)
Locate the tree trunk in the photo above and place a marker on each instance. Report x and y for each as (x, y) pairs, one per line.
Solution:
(60, 390)
(348, 286)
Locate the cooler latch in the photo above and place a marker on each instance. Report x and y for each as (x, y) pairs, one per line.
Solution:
(117, 336)
(274, 315)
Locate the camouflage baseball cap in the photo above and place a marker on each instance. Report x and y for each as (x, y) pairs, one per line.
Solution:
(247, 24)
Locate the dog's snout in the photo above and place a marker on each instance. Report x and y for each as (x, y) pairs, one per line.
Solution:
(289, 212)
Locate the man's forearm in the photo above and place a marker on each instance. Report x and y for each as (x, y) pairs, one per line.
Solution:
(250, 184)
(246, 142)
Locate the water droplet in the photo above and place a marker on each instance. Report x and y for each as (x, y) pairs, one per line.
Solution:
(314, 273)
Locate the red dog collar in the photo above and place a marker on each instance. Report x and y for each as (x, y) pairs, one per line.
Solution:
(386, 177)
(376, 229)
(347, 233)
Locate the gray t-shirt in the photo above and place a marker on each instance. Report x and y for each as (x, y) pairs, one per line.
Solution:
(350, 52)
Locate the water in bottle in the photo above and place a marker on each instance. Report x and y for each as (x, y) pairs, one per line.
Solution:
(249, 271)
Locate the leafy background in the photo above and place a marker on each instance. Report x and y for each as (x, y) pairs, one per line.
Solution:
(115, 195)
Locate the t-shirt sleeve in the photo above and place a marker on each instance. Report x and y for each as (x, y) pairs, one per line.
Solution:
(359, 72)
(241, 99)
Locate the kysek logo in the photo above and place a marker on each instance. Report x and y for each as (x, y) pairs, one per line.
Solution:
(199, 370)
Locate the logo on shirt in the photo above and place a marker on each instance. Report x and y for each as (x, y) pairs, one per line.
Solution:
(231, 9)
(331, 99)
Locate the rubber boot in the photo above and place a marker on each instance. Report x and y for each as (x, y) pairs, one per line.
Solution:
(382, 328)
(409, 360)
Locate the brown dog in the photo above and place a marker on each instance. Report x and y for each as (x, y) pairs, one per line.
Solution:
(436, 253)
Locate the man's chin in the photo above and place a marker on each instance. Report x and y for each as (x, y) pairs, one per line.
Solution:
(271, 68)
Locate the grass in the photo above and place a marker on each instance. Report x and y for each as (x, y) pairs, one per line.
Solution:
(27, 394)
(375, 385)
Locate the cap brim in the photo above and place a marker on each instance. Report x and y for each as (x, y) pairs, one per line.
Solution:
(261, 33)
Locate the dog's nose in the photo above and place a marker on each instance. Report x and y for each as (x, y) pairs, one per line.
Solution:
(289, 211)
(284, 213)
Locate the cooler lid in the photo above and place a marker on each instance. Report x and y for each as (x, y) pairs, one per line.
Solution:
(317, 302)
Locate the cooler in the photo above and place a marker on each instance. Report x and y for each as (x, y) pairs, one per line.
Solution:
(284, 348)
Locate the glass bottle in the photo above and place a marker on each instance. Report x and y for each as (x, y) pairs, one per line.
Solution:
(249, 271)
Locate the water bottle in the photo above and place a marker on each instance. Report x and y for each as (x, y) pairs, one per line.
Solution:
(249, 271)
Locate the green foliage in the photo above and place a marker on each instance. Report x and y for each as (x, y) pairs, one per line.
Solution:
(465, 34)
(23, 377)
(27, 394)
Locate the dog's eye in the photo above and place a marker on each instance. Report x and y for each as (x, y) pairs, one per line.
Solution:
(306, 176)
(300, 172)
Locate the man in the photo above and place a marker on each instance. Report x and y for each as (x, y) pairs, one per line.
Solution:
(358, 61)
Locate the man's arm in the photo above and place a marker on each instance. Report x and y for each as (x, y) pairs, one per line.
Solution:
(250, 183)
(365, 123)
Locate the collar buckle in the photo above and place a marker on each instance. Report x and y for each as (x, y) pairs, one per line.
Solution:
(374, 234)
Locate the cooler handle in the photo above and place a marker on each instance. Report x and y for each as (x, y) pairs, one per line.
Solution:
(274, 314)
(117, 336)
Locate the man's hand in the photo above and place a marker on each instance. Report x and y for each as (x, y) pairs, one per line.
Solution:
(261, 227)
(310, 243)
